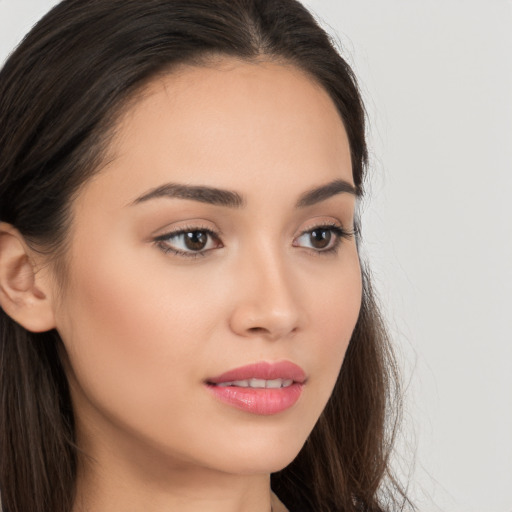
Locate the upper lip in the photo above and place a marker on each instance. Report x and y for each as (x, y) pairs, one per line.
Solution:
(262, 370)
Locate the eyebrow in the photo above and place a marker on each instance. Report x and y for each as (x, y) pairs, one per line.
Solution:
(231, 199)
(199, 193)
(324, 192)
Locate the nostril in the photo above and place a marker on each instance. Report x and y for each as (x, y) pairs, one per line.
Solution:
(257, 330)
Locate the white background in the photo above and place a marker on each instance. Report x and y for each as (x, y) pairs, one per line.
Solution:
(437, 79)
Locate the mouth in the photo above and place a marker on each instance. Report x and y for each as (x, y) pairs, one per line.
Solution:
(258, 383)
(263, 388)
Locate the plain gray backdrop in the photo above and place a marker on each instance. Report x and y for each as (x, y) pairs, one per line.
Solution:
(437, 79)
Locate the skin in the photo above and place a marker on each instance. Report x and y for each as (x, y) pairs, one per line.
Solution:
(143, 328)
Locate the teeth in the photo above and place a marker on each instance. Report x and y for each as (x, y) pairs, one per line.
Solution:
(276, 383)
(258, 383)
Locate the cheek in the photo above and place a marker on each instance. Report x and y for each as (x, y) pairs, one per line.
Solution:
(129, 335)
(337, 313)
(334, 316)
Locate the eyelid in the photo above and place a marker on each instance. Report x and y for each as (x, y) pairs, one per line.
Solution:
(186, 225)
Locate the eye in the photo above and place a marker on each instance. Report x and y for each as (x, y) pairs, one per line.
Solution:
(322, 238)
(189, 242)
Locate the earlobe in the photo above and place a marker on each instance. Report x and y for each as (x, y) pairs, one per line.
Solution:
(22, 296)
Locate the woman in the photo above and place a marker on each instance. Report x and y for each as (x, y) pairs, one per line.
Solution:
(185, 322)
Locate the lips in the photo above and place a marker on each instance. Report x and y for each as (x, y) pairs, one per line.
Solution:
(284, 370)
(262, 388)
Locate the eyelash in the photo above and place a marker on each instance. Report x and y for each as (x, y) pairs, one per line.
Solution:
(162, 240)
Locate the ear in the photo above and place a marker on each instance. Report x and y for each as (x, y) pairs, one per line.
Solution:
(24, 293)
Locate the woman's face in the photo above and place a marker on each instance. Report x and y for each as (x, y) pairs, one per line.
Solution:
(217, 236)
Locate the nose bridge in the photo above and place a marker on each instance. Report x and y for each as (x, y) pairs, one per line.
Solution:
(273, 280)
(268, 303)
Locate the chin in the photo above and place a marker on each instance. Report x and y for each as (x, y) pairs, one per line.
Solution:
(261, 457)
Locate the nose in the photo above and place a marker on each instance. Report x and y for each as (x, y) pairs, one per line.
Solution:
(267, 302)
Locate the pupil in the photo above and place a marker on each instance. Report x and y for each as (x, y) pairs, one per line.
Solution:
(196, 240)
(320, 238)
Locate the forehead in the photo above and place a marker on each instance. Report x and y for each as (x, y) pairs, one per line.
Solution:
(232, 124)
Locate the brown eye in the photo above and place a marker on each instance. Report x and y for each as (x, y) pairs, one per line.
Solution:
(189, 242)
(195, 240)
(320, 238)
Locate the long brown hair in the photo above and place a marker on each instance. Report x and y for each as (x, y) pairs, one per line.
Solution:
(61, 92)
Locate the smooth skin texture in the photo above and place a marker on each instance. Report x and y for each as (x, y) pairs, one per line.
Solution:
(146, 322)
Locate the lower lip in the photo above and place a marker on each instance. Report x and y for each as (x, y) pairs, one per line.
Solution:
(263, 401)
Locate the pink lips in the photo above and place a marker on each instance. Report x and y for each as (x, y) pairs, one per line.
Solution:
(263, 401)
